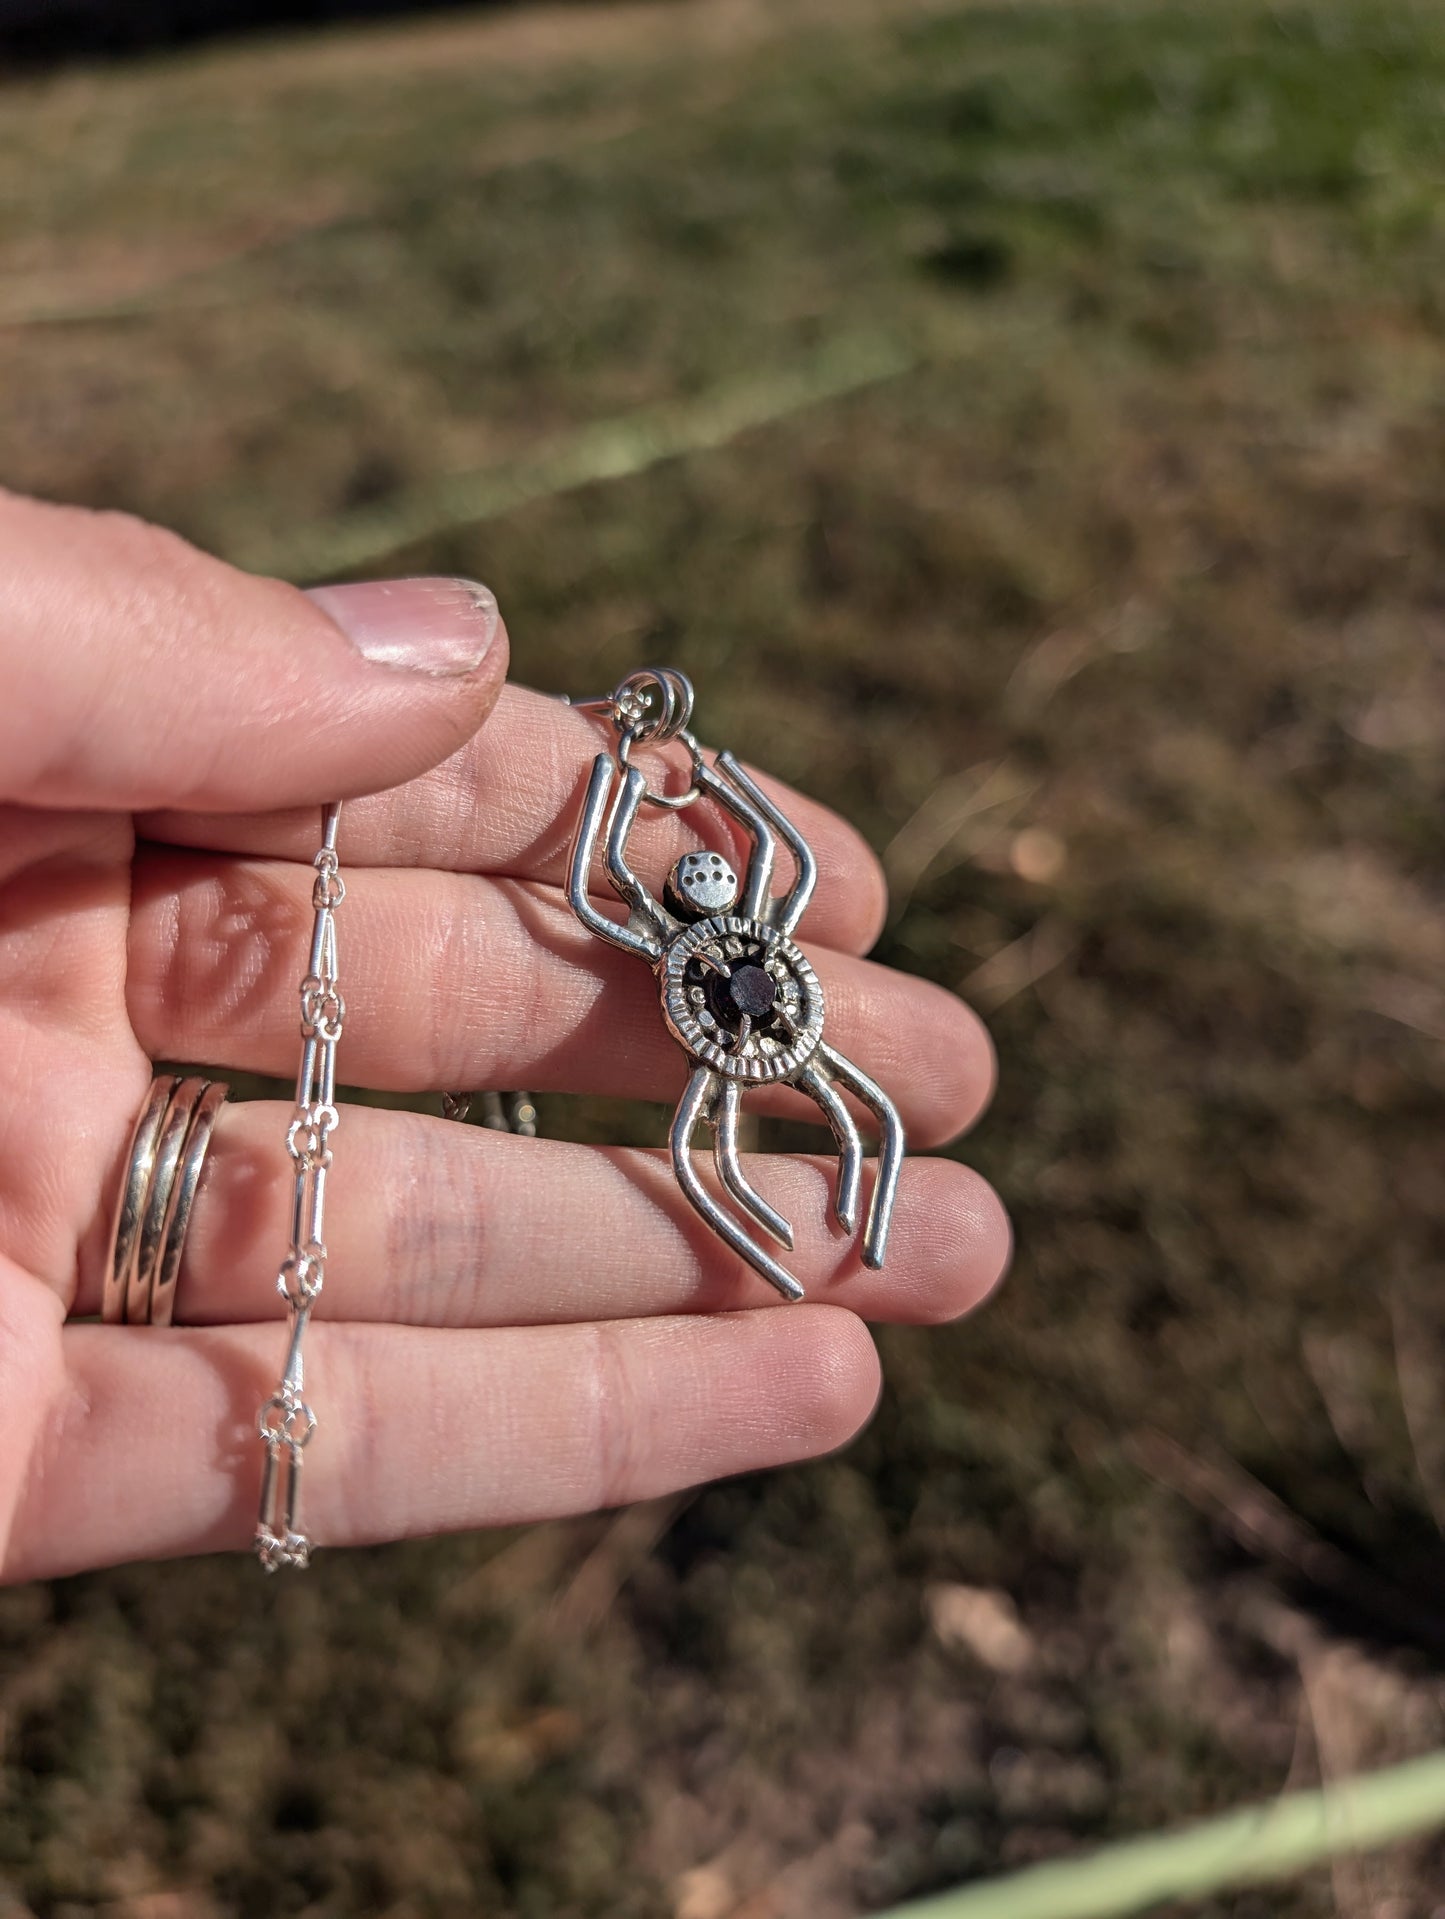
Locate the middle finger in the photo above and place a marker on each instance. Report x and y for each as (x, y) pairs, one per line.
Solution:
(455, 980)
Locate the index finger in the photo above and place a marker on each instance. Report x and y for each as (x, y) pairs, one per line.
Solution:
(506, 805)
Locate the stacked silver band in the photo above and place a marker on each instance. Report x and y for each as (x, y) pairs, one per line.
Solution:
(148, 1235)
(501, 1112)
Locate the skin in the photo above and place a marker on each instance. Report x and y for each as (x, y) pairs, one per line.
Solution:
(512, 1329)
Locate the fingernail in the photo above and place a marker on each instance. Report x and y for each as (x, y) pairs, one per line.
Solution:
(419, 626)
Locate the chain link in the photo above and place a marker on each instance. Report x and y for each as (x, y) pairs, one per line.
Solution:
(286, 1422)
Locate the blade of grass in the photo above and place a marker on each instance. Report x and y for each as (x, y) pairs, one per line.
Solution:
(1246, 1847)
(605, 450)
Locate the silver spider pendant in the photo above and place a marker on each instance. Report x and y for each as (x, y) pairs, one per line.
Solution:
(737, 994)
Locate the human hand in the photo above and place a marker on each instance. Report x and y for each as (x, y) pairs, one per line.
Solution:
(512, 1329)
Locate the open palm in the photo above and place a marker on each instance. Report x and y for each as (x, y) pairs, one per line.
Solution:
(512, 1329)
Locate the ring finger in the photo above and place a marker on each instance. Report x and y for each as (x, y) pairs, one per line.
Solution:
(444, 1225)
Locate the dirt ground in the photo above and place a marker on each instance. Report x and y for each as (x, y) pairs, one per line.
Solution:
(1103, 587)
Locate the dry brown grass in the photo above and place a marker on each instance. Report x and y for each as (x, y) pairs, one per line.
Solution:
(1118, 620)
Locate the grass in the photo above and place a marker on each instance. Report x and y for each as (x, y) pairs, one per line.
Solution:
(1251, 1846)
(1113, 613)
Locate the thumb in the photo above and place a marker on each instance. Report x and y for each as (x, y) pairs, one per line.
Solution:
(138, 672)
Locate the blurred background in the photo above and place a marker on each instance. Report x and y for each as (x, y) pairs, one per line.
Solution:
(1027, 424)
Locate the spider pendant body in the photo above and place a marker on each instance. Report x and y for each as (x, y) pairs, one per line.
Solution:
(738, 996)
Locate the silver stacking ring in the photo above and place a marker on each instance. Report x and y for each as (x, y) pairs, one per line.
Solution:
(501, 1112)
(167, 1151)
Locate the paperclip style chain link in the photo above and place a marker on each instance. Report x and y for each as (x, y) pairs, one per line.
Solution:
(286, 1422)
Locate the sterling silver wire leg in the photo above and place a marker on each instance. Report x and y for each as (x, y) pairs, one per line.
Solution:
(730, 1170)
(759, 880)
(791, 907)
(850, 1146)
(694, 1107)
(647, 916)
(890, 1150)
(594, 807)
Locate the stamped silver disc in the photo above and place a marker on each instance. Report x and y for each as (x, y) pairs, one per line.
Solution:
(741, 998)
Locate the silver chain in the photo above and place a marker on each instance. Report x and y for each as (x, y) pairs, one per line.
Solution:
(286, 1422)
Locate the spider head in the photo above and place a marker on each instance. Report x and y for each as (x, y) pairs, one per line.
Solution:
(701, 884)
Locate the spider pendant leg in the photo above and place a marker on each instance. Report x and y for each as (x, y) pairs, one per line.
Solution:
(890, 1149)
(697, 1103)
(589, 827)
(646, 915)
(787, 911)
(758, 880)
(850, 1147)
(730, 1170)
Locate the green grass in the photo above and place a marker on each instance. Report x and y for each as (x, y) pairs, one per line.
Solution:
(1250, 1846)
(1114, 613)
